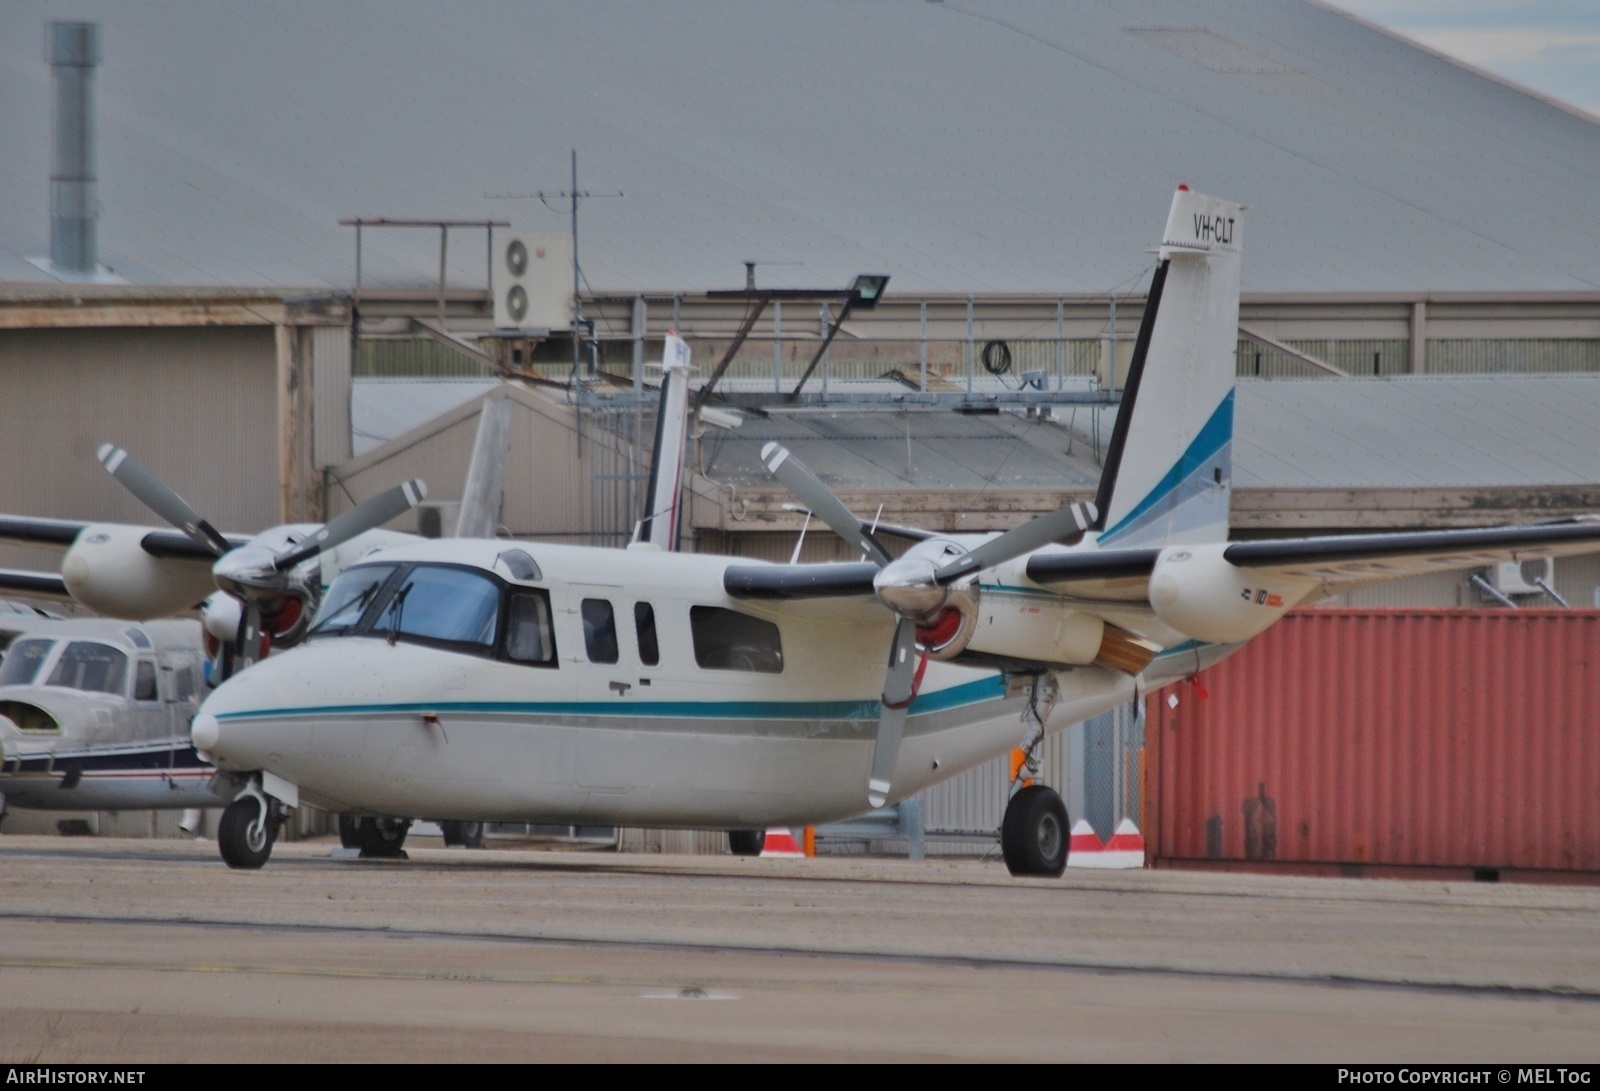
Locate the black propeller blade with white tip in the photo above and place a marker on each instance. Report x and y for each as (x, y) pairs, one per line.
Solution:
(156, 495)
(365, 516)
(898, 689)
(1058, 525)
(256, 575)
(811, 492)
(911, 587)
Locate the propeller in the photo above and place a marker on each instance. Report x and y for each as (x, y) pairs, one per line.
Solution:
(260, 575)
(916, 588)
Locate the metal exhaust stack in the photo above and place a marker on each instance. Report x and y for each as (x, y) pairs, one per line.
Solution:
(73, 51)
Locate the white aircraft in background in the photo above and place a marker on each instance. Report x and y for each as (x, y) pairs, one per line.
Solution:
(559, 684)
(95, 715)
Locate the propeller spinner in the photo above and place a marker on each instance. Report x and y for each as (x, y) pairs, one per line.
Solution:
(916, 588)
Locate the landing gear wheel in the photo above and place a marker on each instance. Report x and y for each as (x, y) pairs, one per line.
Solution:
(466, 834)
(746, 842)
(1034, 837)
(380, 838)
(246, 832)
(347, 832)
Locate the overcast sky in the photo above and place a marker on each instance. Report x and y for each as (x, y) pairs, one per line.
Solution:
(1550, 46)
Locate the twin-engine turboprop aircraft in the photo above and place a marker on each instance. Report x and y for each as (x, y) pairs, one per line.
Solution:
(520, 682)
(95, 715)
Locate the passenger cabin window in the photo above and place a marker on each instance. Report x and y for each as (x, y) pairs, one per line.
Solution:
(22, 662)
(599, 631)
(644, 624)
(528, 635)
(96, 668)
(727, 640)
(144, 681)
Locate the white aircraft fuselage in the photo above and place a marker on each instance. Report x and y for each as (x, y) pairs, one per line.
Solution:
(362, 724)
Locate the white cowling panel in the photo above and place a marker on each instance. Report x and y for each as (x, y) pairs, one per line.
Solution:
(1196, 591)
(108, 571)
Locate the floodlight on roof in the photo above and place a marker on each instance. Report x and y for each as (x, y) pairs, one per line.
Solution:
(867, 290)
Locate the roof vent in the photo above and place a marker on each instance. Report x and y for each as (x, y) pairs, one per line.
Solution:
(73, 51)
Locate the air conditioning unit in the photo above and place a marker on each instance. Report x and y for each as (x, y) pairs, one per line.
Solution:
(533, 283)
(1520, 577)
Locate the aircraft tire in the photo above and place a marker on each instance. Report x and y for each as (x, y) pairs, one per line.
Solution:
(1035, 836)
(466, 834)
(746, 842)
(347, 832)
(240, 849)
(381, 838)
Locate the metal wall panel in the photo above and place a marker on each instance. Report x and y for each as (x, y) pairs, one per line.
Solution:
(1367, 741)
(197, 405)
(1485, 356)
(330, 413)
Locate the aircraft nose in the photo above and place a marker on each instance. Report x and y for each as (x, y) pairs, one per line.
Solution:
(206, 731)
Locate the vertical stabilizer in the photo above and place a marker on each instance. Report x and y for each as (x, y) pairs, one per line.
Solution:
(1169, 469)
(484, 492)
(663, 504)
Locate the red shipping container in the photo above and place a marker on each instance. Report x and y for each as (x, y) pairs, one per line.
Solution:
(1387, 742)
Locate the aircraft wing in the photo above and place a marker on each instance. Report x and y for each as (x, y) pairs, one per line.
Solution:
(48, 584)
(33, 531)
(800, 581)
(1340, 561)
(158, 542)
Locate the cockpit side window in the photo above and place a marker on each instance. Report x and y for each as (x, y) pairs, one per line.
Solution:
(529, 638)
(347, 600)
(96, 668)
(22, 662)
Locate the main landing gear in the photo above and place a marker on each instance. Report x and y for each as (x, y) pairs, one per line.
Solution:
(248, 828)
(379, 837)
(746, 842)
(1034, 836)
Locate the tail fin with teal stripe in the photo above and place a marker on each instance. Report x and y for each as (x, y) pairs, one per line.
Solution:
(1168, 471)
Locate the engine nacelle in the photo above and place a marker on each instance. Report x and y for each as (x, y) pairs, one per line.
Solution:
(108, 571)
(1034, 628)
(1194, 590)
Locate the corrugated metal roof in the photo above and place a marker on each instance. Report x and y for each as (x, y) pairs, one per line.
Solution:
(1418, 432)
(385, 409)
(1423, 432)
(983, 146)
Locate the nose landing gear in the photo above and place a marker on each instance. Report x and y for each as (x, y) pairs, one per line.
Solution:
(248, 828)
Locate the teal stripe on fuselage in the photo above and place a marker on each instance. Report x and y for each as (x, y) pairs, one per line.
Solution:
(1217, 434)
(968, 693)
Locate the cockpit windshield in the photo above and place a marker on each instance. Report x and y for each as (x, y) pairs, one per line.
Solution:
(347, 600)
(97, 668)
(22, 662)
(423, 603)
(448, 604)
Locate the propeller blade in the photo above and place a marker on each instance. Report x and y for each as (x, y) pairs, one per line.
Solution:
(810, 491)
(898, 690)
(247, 644)
(154, 494)
(363, 517)
(1062, 523)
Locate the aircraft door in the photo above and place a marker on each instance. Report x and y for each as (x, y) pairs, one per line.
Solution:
(600, 659)
(147, 711)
